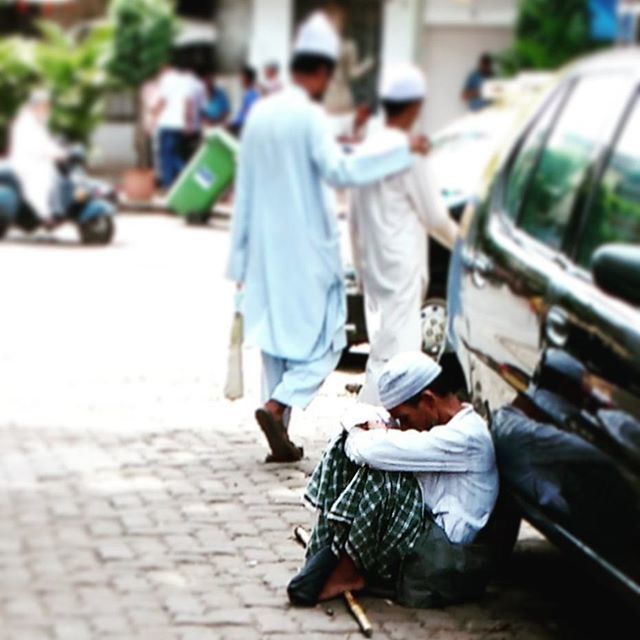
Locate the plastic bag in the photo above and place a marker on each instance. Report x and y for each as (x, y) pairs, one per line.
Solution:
(234, 386)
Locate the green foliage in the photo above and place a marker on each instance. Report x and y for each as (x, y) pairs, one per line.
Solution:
(144, 31)
(75, 73)
(549, 34)
(18, 75)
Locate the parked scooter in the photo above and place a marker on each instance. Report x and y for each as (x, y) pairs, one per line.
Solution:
(88, 203)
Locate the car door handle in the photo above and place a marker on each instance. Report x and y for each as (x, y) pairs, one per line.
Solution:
(481, 267)
(556, 327)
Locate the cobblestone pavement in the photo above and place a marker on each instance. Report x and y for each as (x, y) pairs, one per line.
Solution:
(134, 502)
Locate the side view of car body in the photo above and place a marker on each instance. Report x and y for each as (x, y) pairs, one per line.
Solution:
(543, 303)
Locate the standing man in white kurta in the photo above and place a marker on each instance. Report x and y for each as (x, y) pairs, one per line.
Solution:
(284, 243)
(390, 223)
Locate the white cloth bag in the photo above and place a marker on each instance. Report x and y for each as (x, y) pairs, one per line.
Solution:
(234, 386)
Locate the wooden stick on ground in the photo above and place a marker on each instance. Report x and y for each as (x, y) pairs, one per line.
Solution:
(355, 608)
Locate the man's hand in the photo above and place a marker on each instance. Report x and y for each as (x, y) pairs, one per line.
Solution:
(420, 144)
(371, 425)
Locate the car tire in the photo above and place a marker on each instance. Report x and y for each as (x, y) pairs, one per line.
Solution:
(4, 227)
(97, 231)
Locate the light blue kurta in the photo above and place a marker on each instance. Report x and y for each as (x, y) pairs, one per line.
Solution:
(284, 240)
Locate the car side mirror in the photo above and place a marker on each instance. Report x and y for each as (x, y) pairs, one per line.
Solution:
(616, 270)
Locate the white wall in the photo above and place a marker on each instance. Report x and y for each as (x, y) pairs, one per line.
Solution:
(271, 33)
(401, 27)
(465, 12)
(113, 146)
(448, 54)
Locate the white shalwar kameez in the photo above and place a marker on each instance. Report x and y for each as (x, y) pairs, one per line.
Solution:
(390, 223)
(284, 241)
(33, 154)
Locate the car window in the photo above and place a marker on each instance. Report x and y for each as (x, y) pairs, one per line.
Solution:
(615, 213)
(525, 160)
(585, 125)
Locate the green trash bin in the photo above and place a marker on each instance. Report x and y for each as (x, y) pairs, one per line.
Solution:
(206, 177)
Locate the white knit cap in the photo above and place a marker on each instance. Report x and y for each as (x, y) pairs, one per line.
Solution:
(402, 82)
(405, 376)
(317, 36)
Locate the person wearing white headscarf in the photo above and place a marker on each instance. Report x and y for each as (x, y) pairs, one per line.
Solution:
(418, 471)
(33, 153)
(284, 239)
(443, 441)
(390, 222)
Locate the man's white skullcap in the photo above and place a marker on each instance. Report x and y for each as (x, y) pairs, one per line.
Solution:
(402, 82)
(317, 36)
(405, 376)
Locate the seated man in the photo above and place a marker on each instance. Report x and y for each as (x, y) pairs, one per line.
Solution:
(401, 495)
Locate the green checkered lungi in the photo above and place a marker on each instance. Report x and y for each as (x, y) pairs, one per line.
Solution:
(375, 516)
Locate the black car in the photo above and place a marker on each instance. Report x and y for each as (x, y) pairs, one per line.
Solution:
(544, 313)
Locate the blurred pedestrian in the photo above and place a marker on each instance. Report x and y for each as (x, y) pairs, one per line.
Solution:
(33, 154)
(217, 108)
(284, 242)
(148, 131)
(249, 97)
(272, 82)
(390, 221)
(195, 116)
(173, 109)
(472, 90)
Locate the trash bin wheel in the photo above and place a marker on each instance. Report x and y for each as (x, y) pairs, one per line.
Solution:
(198, 219)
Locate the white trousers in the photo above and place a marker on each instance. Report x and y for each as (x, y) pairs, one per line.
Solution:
(393, 326)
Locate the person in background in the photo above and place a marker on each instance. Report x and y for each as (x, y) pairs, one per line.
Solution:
(285, 252)
(33, 154)
(173, 109)
(390, 222)
(355, 129)
(407, 484)
(217, 108)
(472, 90)
(272, 83)
(148, 131)
(249, 97)
(196, 106)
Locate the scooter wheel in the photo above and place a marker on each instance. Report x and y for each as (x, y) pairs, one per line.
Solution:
(98, 231)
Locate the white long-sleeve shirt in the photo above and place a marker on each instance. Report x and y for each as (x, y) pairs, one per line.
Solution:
(390, 223)
(454, 464)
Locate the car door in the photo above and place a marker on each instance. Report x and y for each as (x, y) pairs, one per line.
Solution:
(588, 383)
(514, 249)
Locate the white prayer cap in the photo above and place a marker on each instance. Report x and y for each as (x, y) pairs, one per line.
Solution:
(403, 82)
(405, 376)
(317, 36)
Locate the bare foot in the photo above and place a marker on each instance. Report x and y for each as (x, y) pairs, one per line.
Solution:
(345, 577)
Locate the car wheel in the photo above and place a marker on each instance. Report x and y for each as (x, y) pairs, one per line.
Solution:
(433, 323)
(97, 231)
(4, 227)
